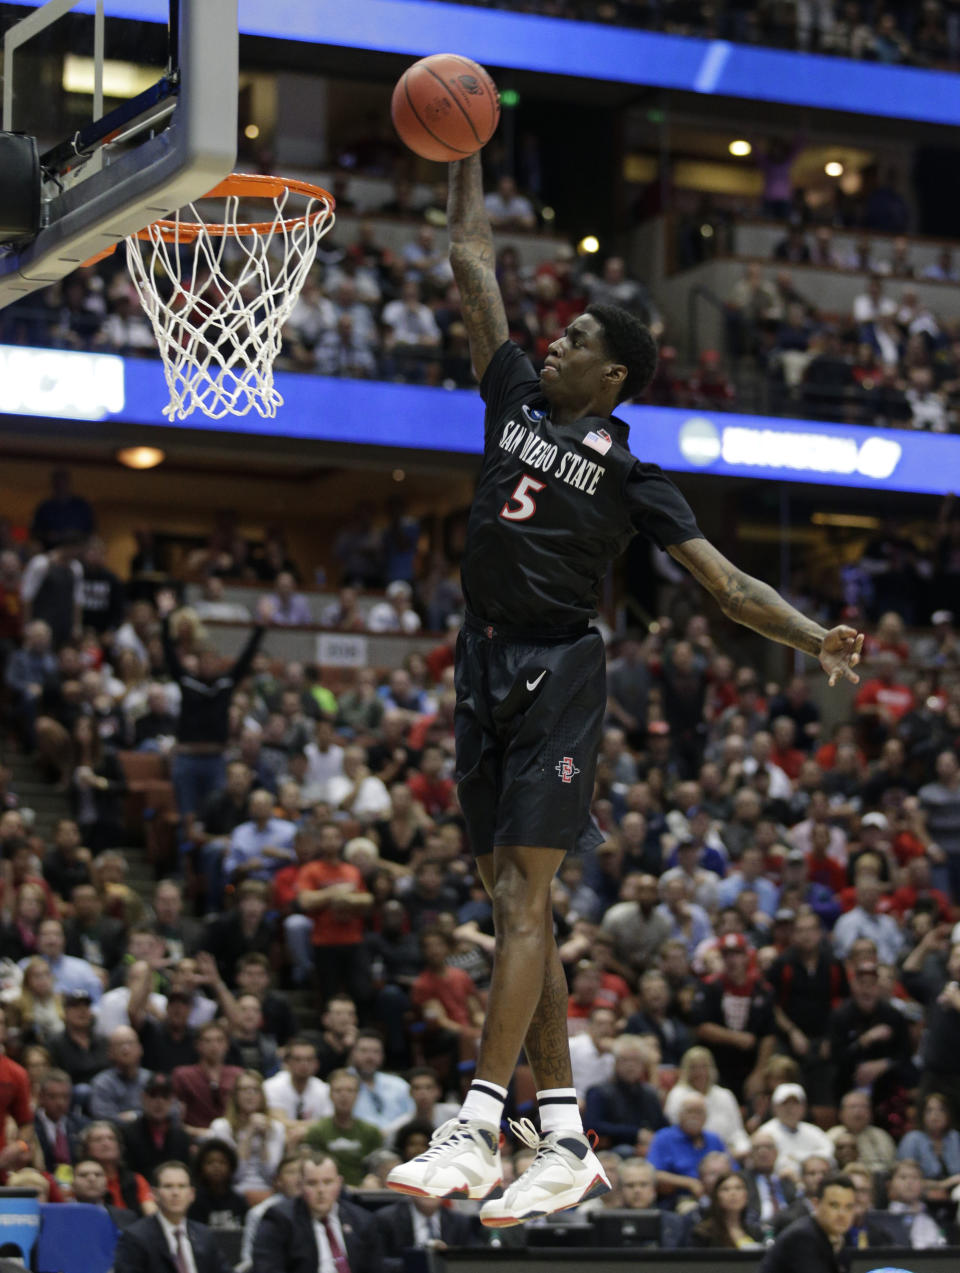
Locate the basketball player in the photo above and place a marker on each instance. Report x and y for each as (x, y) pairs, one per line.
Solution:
(559, 497)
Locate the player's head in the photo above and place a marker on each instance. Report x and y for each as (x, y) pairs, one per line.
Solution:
(606, 354)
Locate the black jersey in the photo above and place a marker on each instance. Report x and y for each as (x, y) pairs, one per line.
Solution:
(555, 505)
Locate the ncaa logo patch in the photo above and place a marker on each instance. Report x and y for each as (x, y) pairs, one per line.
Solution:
(566, 769)
(533, 414)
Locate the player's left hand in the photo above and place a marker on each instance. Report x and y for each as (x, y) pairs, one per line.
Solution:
(840, 654)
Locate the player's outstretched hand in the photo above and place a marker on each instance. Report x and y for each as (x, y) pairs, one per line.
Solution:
(840, 654)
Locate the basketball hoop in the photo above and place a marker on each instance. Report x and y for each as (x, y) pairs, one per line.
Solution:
(218, 293)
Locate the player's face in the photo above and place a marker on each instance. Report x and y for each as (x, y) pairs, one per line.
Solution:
(577, 364)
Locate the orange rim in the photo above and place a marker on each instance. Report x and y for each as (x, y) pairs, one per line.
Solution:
(249, 185)
(242, 185)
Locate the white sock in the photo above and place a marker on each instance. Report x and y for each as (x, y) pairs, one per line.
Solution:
(559, 1111)
(484, 1103)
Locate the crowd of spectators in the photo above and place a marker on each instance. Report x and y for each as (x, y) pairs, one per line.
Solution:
(763, 954)
(365, 311)
(891, 360)
(925, 34)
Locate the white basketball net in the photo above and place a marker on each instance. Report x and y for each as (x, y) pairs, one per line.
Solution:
(217, 301)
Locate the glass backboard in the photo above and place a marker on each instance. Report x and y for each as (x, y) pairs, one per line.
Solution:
(134, 106)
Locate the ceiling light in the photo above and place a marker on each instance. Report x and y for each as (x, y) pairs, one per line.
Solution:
(834, 168)
(740, 148)
(251, 132)
(141, 457)
(120, 79)
(588, 245)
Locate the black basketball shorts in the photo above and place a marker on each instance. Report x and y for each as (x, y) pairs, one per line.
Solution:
(528, 725)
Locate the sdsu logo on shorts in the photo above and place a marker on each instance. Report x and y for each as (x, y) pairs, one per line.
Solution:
(566, 769)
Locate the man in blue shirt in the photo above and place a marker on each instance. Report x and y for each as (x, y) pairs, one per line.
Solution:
(383, 1098)
(750, 875)
(676, 1151)
(69, 972)
(259, 848)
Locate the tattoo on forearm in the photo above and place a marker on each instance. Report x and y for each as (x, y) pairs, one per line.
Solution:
(547, 1044)
(473, 259)
(760, 607)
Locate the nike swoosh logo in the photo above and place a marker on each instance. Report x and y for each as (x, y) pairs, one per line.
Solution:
(532, 685)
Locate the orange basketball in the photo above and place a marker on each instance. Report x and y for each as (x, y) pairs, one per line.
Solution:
(445, 107)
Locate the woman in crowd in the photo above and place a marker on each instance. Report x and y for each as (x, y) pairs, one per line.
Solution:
(39, 1009)
(36, 1060)
(257, 1139)
(698, 1075)
(935, 1145)
(217, 1203)
(125, 1188)
(727, 1224)
(19, 926)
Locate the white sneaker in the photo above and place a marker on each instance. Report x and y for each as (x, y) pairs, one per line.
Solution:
(564, 1173)
(463, 1161)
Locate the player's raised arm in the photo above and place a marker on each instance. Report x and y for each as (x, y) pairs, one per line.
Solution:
(758, 606)
(473, 261)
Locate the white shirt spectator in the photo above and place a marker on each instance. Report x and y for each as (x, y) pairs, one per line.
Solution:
(383, 618)
(126, 328)
(309, 1105)
(795, 1146)
(590, 1066)
(321, 767)
(111, 1011)
(871, 305)
(372, 800)
(723, 1114)
(258, 1170)
(342, 353)
(781, 787)
(312, 315)
(411, 323)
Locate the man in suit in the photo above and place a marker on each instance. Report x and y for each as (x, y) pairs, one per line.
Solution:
(168, 1242)
(812, 1171)
(815, 1243)
(423, 1223)
(317, 1232)
(55, 1126)
(767, 1191)
(90, 1186)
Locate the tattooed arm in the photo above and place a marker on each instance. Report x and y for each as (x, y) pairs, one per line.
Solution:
(472, 259)
(758, 606)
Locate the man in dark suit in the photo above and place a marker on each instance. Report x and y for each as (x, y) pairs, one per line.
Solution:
(55, 1127)
(424, 1223)
(90, 1186)
(815, 1243)
(767, 1191)
(165, 1242)
(812, 1171)
(317, 1232)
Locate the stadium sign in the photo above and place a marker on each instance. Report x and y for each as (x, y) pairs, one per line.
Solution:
(64, 385)
(560, 46)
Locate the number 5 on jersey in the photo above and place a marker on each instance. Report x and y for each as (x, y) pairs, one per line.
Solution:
(524, 505)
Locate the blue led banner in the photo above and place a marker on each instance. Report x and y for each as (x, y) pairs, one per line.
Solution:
(61, 384)
(562, 47)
